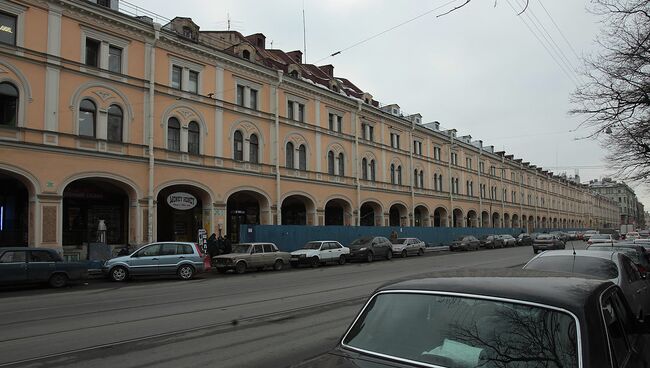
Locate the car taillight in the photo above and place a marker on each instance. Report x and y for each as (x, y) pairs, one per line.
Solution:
(198, 249)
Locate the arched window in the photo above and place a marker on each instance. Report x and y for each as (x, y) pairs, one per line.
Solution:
(421, 179)
(246, 54)
(392, 173)
(87, 118)
(173, 135)
(364, 168)
(330, 163)
(440, 188)
(289, 155)
(415, 178)
(341, 164)
(8, 104)
(193, 136)
(302, 157)
(238, 146)
(435, 182)
(114, 125)
(399, 175)
(372, 170)
(254, 149)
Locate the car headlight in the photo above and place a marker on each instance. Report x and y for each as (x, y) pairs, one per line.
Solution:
(362, 249)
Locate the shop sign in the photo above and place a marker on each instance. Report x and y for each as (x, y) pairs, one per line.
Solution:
(181, 201)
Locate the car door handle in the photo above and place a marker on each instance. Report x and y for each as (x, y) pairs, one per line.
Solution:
(154, 259)
(181, 257)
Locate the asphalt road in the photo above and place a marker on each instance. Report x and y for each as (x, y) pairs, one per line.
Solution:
(260, 319)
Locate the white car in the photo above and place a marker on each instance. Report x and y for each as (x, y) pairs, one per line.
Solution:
(407, 246)
(632, 235)
(316, 253)
(508, 240)
(600, 239)
(588, 234)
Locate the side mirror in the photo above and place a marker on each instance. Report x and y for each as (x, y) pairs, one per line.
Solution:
(135, 255)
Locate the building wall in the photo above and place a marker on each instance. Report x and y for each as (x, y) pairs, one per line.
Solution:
(45, 151)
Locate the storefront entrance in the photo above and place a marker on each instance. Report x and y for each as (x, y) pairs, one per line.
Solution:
(243, 209)
(85, 203)
(14, 212)
(180, 213)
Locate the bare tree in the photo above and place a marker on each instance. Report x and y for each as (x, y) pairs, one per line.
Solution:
(614, 97)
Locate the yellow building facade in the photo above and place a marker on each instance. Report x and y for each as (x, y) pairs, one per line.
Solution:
(161, 130)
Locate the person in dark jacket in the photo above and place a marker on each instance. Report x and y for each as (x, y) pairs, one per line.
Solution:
(213, 249)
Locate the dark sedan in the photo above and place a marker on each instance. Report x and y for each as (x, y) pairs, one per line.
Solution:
(370, 248)
(491, 241)
(503, 318)
(465, 243)
(21, 265)
(547, 242)
(524, 239)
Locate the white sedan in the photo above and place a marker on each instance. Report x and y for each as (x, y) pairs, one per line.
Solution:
(316, 253)
(600, 239)
(407, 246)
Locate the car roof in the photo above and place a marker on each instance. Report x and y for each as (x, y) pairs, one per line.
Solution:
(605, 254)
(564, 290)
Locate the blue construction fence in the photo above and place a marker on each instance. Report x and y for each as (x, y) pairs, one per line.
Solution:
(291, 237)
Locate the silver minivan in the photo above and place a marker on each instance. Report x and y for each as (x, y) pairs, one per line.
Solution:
(163, 258)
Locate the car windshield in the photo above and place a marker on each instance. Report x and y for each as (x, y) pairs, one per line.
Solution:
(361, 241)
(241, 248)
(464, 332)
(592, 266)
(312, 245)
(544, 236)
(399, 241)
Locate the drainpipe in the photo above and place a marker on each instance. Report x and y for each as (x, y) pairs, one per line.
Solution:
(278, 193)
(414, 177)
(356, 161)
(152, 81)
(503, 195)
(451, 184)
(480, 184)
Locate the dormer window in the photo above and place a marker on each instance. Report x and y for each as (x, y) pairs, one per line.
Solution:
(187, 32)
(335, 88)
(294, 74)
(246, 54)
(366, 101)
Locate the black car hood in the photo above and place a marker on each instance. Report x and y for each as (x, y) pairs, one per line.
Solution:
(339, 358)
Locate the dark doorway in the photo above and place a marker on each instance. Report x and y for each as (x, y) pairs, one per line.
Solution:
(334, 213)
(367, 215)
(85, 202)
(394, 217)
(14, 212)
(243, 209)
(180, 214)
(294, 211)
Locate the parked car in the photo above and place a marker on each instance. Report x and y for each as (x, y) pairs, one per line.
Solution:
(607, 265)
(573, 235)
(631, 235)
(369, 248)
(508, 240)
(407, 246)
(636, 252)
(600, 239)
(564, 237)
(644, 234)
(22, 265)
(580, 235)
(465, 243)
(547, 242)
(491, 241)
(157, 259)
(245, 256)
(524, 239)
(493, 319)
(315, 253)
(587, 234)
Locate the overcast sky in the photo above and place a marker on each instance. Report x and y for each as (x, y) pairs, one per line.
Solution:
(478, 69)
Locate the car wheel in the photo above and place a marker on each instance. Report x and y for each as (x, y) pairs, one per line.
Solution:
(278, 265)
(404, 253)
(315, 262)
(420, 252)
(370, 257)
(342, 260)
(119, 274)
(186, 272)
(58, 280)
(240, 267)
(389, 254)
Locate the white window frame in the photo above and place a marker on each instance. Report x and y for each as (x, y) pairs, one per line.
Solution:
(338, 117)
(297, 101)
(105, 41)
(185, 66)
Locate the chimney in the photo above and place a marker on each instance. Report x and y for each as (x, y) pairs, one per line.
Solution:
(327, 69)
(258, 40)
(295, 56)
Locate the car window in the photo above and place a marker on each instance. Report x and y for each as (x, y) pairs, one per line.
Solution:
(268, 248)
(13, 257)
(258, 248)
(453, 331)
(168, 249)
(592, 266)
(150, 251)
(335, 245)
(241, 248)
(361, 241)
(185, 249)
(632, 272)
(41, 256)
(614, 321)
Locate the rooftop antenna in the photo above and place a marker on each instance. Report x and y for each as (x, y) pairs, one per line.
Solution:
(228, 21)
(304, 31)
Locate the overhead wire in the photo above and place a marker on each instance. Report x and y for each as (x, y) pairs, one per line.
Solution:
(559, 30)
(386, 31)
